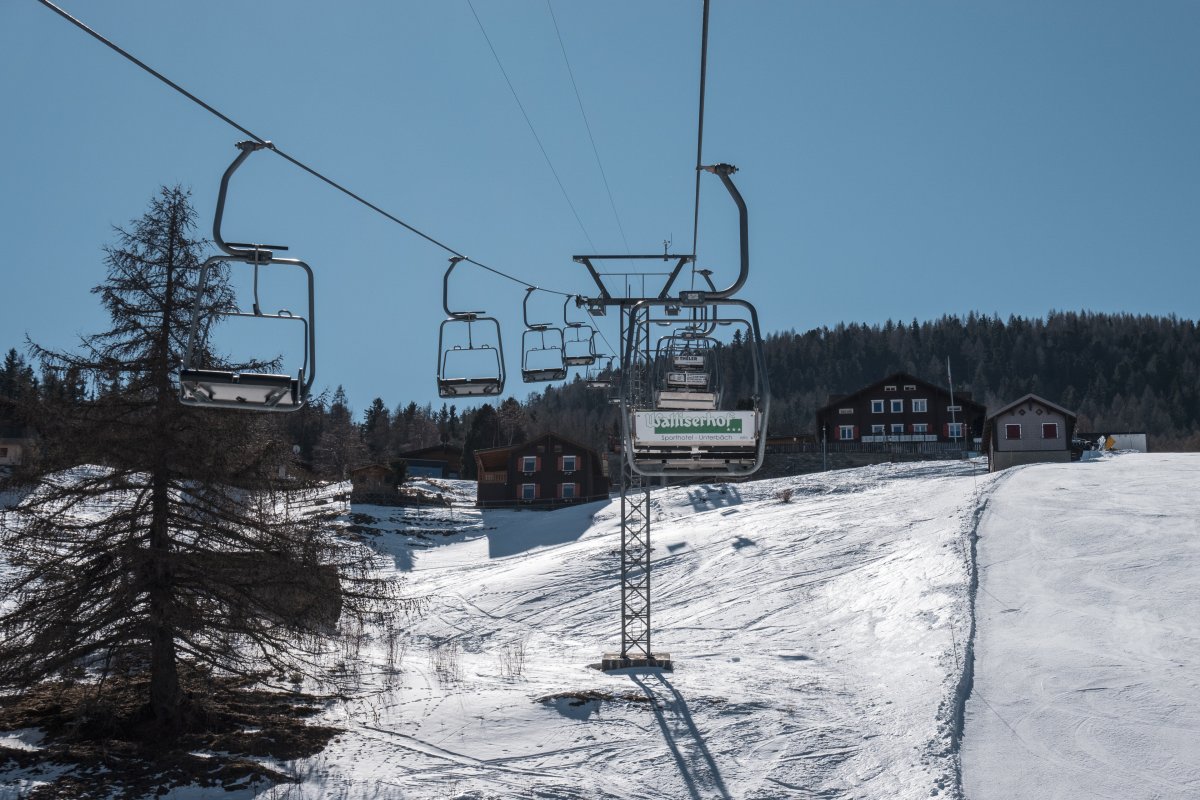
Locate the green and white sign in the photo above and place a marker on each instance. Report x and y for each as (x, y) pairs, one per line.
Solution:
(694, 427)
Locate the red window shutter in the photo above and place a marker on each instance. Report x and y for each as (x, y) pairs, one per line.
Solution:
(577, 493)
(1049, 430)
(537, 491)
(853, 432)
(560, 463)
(537, 463)
(945, 430)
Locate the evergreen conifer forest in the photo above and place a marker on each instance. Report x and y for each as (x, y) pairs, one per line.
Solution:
(1118, 372)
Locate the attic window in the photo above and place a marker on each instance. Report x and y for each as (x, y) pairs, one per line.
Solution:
(558, 448)
(910, 387)
(845, 410)
(889, 388)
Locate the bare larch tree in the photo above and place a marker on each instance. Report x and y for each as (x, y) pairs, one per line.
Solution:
(153, 536)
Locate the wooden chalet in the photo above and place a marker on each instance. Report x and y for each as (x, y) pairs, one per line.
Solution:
(902, 409)
(1028, 431)
(374, 484)
(546, 472)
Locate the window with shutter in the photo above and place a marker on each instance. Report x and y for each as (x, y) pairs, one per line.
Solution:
(1049, 430)
(1012, 430)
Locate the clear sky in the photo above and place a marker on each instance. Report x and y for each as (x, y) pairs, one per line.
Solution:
(900, 160)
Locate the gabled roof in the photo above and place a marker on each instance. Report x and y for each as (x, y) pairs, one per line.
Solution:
(962, 398)
(366, 467)
(1035, 399)
(527, 443)
(437, 448)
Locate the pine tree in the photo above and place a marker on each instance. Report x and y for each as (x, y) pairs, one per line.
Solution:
(156, 537)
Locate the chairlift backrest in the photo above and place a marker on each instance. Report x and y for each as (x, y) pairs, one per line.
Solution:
(244, 390)
(550, 357)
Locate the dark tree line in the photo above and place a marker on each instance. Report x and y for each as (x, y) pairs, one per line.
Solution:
(1116, 371)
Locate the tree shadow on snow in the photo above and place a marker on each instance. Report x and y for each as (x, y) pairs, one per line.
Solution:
(708, 496)
(696, 765)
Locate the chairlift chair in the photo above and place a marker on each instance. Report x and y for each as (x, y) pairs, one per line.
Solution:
(685, 381)
(487, 383)
(598, 377)
(578, 350)
(534, 343)
(211, 387)
(672, 428)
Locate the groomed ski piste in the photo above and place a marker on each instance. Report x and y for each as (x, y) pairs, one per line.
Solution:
(824, 646)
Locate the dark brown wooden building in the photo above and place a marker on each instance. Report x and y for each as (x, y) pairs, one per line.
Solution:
(374, 484)
(439, 461)
(902, 409)
(547, 472)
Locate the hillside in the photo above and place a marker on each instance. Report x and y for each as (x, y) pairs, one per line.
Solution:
(823, 646)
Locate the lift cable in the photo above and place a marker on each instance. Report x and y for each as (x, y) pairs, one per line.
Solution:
(528, 122)
(130, 57)
(700, 137)
(587, 124)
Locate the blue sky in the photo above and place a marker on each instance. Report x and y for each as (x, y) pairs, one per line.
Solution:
(900, 160)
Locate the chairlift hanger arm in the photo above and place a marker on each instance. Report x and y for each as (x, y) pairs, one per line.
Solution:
(253, 253)
(446, 293)
(724, 171)
(533, 326)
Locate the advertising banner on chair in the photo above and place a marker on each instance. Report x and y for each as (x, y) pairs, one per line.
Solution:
(727, 428)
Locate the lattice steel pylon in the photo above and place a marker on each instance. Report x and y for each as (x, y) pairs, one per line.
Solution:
(665, 437)
(635, 575)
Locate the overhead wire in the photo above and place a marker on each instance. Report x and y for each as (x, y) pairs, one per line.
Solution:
(700, 136)
(595, 150)
(291, 159)
(529, 122)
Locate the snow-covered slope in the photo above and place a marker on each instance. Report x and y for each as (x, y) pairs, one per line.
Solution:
(821, 645)
(1087, 676)
(818, 645)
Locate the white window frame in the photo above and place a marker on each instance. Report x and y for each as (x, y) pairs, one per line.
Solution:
(897, 406)
(878, 429)
(920, 427)
(525, 462)
(889, 388)
(563, 488)
(842, 437)
(529, 491)
(574, 463)
(954, 408)
(910, 387)
(1044, 436)
(897, 429)
(1008, 426)
(954, 430)
(845, 410)
(920, 405)
(876, 406)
